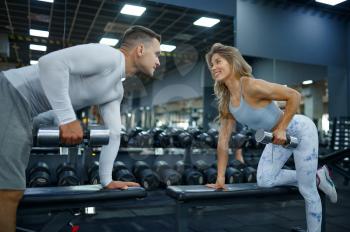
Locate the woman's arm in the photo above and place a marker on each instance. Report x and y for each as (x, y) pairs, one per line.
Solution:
(226, 128)
(263, 90)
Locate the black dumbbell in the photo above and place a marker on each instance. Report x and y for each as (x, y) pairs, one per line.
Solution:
(132, 142)
(237, 164)
(215, 136)
(66, 175)
(249, 174)
(206, 140)
(201, 165)
(39, 175)
(190, 176)
(145, 176)
(238, 140)
(124, 139)
(195, 132)
(144, 139)
(167, 175)
(233, 176)
(160, 138)
(122, 173)
(139, 138)
(93, 175)
(180, 138)
(201, 139)
(134, 131)
(209, 173)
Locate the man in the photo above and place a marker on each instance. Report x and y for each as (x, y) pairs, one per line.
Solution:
(65, 81)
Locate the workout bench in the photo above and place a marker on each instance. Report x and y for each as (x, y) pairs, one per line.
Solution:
(68, 202)
(187, 197)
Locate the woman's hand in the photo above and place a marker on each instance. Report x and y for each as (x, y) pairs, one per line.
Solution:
(279, 137)
(220, 183)
(121, 185)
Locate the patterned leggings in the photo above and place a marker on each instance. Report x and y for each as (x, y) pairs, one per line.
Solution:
(270, 172)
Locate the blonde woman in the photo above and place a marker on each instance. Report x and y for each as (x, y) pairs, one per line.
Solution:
(250, 101)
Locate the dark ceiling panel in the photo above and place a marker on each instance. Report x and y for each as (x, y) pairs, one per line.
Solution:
(72, 22)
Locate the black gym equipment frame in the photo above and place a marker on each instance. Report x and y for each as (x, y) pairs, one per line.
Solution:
(187, 197)
(332, 160)
(66, 203)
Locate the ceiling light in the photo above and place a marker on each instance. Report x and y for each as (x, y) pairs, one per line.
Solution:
(308, 82)
(50, 1)
(167, 48)
(39, 33)
(109, 41)
(133, 10)
(331, 2)
(33, 62)
(206, 22)
(37, 47)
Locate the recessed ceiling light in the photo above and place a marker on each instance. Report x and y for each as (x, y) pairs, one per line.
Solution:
(33, 62)
(167, 48)
(50, 1)
(133, 10)
(39, 33)
(109, 41)
(37, 47)
(331, 2)
(206, 22)
(308, 82)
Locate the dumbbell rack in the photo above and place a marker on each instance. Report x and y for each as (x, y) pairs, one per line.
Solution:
(187, 151)
(81, 157)
(340, 133)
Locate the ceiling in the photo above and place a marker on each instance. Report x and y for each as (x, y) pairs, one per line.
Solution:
(72, 22)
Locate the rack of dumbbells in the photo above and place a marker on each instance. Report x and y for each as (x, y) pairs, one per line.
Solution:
(339, 143)
(52, 165)
(339, 131)
(155, 158)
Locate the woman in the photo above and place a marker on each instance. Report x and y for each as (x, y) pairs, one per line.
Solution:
(251, 102)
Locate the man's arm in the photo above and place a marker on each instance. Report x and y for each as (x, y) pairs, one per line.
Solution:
(55, 69)
(110, 113)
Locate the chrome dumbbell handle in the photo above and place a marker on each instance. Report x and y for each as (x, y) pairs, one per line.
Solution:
(265, 137)
(50, 137)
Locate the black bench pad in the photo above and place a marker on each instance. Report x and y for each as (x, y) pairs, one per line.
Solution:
(200, 192)
(77, 195)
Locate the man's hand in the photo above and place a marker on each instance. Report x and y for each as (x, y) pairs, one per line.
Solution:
(121, 185)
(220, 184)
(71, 133)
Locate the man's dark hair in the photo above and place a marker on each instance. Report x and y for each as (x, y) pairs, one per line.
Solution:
(136, 34)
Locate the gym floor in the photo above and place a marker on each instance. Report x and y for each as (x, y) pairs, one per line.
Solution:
(244, 217)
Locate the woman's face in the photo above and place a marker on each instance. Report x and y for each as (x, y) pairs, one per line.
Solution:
(220, 68)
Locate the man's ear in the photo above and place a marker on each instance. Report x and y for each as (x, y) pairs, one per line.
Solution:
(140, 49)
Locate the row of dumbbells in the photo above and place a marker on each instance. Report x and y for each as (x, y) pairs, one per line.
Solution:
(339, 133)
(161, 174)
(173, 137)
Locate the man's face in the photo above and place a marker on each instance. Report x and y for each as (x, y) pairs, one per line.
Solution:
(148, 57)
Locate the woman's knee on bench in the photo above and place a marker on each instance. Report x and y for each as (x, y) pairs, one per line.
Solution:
(265, 181)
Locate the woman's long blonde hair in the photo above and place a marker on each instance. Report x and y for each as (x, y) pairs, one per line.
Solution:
(238, 65)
